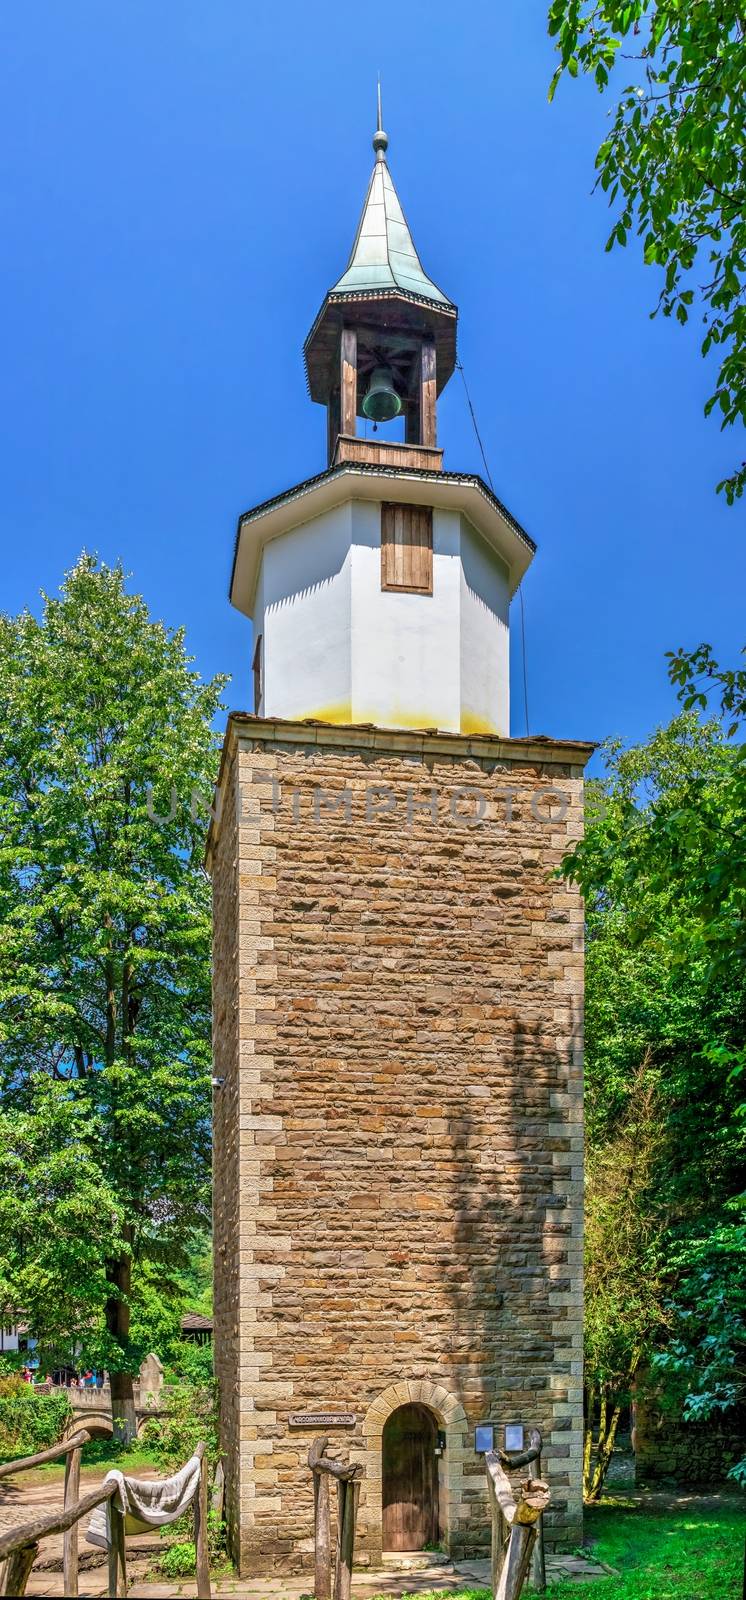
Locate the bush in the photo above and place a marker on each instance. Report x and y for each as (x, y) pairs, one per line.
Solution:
(192, 1416)
(192, 1362)
(30, 1421)
(178, 1561)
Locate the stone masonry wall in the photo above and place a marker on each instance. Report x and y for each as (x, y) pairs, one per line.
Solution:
(398, 1141)
(227, 1140)
(670, 1450)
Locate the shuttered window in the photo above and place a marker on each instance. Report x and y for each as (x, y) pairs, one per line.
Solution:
(407, 548)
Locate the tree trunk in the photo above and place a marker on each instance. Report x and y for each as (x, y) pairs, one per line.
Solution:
(119, 1273)
(604, 1451)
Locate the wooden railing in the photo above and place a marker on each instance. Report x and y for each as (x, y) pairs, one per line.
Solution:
(20, 1547)
(517, 1534)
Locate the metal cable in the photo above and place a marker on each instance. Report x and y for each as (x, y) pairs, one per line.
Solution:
(520, 586)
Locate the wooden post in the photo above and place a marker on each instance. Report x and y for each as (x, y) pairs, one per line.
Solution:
(117, 1558)
(428, 424)
(70, 1538)
(348, 381)
(521, 1516)
(515, 1569)
(322, 1537)
(348, 1490)
(217, 1500)
(14, 1575)
(538, 1564)
(200, 1533)
(347, 1507)
(499, 1536)
(333, 424)
(414, 402)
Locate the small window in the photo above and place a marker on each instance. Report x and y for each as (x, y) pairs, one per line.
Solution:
(256, 667)
(407, 548)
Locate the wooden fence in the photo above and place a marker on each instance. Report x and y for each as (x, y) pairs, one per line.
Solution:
(20, 1547)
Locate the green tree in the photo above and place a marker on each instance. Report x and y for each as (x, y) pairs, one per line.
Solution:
(60, 1222)
(623, 1272)
(106, 746)
(674, 160)
(661, 871)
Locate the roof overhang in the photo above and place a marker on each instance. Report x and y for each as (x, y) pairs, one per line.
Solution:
(447, 491)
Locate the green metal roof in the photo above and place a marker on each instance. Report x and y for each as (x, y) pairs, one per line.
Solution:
(383, 255)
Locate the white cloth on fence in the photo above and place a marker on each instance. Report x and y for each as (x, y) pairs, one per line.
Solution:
(146, 1502)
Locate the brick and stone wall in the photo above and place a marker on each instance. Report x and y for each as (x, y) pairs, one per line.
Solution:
(398, 1137)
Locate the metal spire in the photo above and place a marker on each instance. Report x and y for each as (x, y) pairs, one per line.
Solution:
(380, 139)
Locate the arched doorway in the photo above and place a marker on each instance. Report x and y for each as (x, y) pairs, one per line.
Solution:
(410, 1479)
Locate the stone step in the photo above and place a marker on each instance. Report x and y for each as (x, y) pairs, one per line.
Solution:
(415, 1560)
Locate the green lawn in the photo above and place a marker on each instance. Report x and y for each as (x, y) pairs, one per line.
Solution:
(659, 1554)
(683, 1554)
(98, 1456)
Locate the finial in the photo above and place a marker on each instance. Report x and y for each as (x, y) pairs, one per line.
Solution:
(380, 139)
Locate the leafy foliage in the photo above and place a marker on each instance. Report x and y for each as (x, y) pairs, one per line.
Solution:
(675, 159)
(623, 1273)
(661, 870)
(706, 1354)
(30, 1421)
(59, 1220)
(106, 746)
(191, 1417)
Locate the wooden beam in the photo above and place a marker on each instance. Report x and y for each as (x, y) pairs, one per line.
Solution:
(58, 1522)
(538, 1562)
(117, 1557)
(348, 1492)
(74, 1443)
(428, 423)
(322, 1538)
(333, 424)
(414, 402)
(511, 1561)
(70, 1539)
(348, 381)
(14, 1576)
(200, 1534)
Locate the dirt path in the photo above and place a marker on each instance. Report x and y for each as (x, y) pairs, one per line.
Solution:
(21, 1500)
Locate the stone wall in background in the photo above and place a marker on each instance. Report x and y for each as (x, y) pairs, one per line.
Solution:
(686, 1452)
(398, 1137)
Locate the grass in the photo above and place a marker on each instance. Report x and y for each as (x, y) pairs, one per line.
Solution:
(662, 1553)
(98, 1456)
(659, 1554)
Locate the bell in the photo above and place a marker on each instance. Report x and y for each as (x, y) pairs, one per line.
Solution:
(381, 402)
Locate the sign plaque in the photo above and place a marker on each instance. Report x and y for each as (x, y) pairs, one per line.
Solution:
(322, 1419)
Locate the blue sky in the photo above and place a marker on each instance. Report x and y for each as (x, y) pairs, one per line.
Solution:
(181, 182)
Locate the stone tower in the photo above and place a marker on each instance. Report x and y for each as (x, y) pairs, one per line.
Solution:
(398, 978)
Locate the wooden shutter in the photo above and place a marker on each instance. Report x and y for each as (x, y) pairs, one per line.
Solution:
(407, 548)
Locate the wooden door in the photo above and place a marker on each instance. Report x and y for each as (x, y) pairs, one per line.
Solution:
(410, 1479)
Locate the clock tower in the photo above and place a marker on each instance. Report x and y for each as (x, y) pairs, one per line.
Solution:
(398, 978)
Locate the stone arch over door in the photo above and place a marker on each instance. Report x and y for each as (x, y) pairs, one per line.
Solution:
(451, 1419)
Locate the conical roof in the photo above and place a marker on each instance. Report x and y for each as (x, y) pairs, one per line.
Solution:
(385, 277)
(383, 255)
